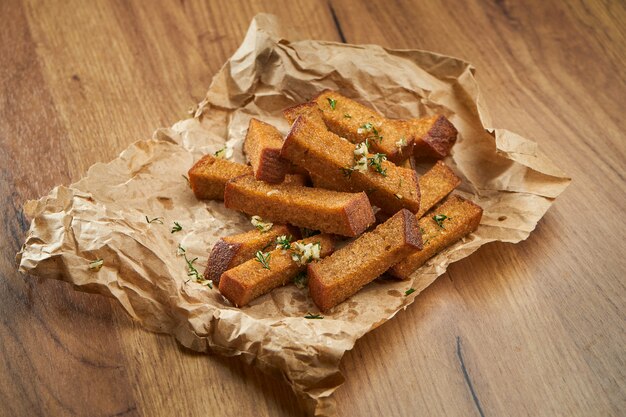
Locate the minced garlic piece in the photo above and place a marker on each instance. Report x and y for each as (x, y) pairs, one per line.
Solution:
(260, 224)
(401, 143)
(305, 253)
(360, 157)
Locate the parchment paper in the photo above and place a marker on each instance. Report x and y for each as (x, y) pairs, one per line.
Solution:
(103, 215)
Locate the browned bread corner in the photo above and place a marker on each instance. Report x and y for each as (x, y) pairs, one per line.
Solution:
(440, 228)
(435, 185)
(345, 214)
(251, 279)
(230, 251)
(292, 113)
(339, 276)
(262, 148)
(434, 137)
(209, 175)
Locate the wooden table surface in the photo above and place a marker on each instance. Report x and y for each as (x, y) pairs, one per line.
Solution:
(533, 329)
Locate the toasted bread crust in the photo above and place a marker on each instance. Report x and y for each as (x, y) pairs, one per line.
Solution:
(271, 167)
(209, 175)
(296, 179)
(435, 185)
(345, 214)
(247, 281)
(411, 235)
(434, 137)
(462, 218)
(219, 260)
(292, 113)
(389, 131)
(342, 274)
(262, 147)
(231, 251)
(324, 154)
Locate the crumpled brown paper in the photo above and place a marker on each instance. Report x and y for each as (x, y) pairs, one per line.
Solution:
(103, 215)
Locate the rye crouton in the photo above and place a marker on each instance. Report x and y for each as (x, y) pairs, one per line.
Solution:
(271, 269)
(234, 250)
(345, 214)
(262, 148)
(312, 146)
(440, 228)
(334, 279)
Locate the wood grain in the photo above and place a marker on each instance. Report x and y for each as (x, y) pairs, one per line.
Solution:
(535, 328)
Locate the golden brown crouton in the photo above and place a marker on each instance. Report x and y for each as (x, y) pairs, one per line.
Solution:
(440, 228)
(356, 122)
(433, 137)
(345, 272)
(346, 214)
(209, 175)
(234, 250)
(272, 269)
(262, 147)
(435, 185)
(312, 146)
(292, 113)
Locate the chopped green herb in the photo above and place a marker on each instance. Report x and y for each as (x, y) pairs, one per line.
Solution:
(180, 250)
(347, 116)
(332, 103)
(376, 161)
(191, 269)
(155, 220)
(177, 227)
(283, 242)
(369, 127)
(377, 136)
(224, 153)
(193, 273)
(301, 280)
(263, 259)
(187, 179)
(439, 218)
(96, 265)
(313, 316)
(409, 291)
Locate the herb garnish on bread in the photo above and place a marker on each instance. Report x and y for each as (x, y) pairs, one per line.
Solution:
(345, 214)
(440, 228)
(312, 146)
(346, 271)
(234, 250)
(275, 267)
